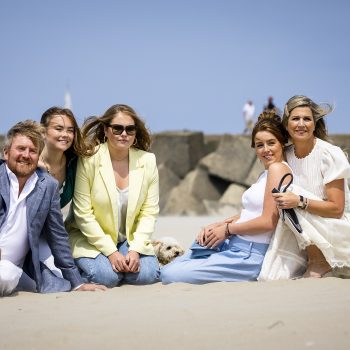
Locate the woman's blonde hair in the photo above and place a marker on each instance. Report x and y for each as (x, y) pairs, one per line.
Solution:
(29, 128)
(318, 112)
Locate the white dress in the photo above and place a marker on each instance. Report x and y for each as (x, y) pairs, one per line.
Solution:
(324, 164)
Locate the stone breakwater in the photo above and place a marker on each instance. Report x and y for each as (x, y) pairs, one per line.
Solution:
(207, 174)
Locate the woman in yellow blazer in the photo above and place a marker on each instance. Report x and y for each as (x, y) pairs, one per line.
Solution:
(115, 202)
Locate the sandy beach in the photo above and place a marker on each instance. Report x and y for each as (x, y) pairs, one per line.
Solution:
(299, 314)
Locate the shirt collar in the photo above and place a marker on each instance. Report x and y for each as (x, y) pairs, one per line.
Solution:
(30, 183)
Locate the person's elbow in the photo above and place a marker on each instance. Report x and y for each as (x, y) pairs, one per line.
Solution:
(337, 210)
(269, 222)
(334, 213)
(338, 213)
(269, 225)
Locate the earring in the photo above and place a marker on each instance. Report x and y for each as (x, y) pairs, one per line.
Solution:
(135, 142)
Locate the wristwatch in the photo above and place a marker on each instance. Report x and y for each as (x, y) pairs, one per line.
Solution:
(301, 202)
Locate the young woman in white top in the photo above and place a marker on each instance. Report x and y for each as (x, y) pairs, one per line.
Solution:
(320, 188)
(234, 249)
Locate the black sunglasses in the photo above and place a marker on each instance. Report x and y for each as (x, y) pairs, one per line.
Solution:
(118, 129)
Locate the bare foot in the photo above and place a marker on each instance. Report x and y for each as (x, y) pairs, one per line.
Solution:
(317, 270)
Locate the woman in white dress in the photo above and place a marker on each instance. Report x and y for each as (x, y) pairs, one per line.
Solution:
(234, 249)
(320, 190)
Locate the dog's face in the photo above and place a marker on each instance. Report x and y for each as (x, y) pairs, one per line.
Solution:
(167, 249)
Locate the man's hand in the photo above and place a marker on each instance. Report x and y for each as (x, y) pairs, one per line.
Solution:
(118, 262)
(133, 261)
(90, 287)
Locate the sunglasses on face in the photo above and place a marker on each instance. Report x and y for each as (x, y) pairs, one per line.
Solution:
(118, 129)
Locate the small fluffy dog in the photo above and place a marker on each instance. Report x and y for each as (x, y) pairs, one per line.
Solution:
(167, 249)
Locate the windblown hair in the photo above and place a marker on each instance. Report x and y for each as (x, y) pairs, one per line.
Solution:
(318, 112)
(78, 146)
(29, 128)
(271, 122)
(93, 129)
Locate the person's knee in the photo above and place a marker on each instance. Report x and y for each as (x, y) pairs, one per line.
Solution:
(9, 277)
(145, 278)
(149, 272)
(95, 271)
(109, 279)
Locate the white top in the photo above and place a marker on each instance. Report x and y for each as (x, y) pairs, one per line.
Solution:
(122, 205)
(13, 233)
(324, 164)
(248, 112)
(253, 203)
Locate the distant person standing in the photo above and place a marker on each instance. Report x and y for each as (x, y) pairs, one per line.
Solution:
(270, 107)
(248, 114)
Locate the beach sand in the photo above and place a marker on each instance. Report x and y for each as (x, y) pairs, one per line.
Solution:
(299, 314)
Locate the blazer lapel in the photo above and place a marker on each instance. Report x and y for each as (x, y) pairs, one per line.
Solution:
(34, 199)
(136, 174)
(4, 193)
(107, 174)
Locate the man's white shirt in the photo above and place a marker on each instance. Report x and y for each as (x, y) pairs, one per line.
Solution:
(14, 231)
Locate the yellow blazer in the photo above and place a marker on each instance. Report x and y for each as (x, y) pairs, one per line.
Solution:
(93, 228)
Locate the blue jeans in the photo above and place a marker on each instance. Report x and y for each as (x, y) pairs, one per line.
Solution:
(233, 261)
(99, 270)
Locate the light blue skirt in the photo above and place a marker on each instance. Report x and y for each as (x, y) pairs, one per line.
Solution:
(234, 260)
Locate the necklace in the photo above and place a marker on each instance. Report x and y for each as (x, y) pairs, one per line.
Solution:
(120, 160)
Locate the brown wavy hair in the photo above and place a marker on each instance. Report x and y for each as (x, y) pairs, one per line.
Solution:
(93, 129)
(271, 122)
(78, 146)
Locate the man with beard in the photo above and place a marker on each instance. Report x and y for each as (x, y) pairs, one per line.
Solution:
(30, 208)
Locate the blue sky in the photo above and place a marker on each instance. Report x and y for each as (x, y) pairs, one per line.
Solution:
(182, 64)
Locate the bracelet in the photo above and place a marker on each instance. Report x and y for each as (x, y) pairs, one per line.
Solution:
(306, 204)
(227, 231)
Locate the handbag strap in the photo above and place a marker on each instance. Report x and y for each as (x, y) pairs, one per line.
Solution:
(289, 183)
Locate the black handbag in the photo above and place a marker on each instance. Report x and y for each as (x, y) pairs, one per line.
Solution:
(289, 216)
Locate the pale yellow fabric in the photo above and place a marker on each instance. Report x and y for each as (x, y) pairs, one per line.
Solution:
(93, 228)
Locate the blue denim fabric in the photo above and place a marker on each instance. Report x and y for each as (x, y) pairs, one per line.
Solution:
(99, 270)
(235, 260)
